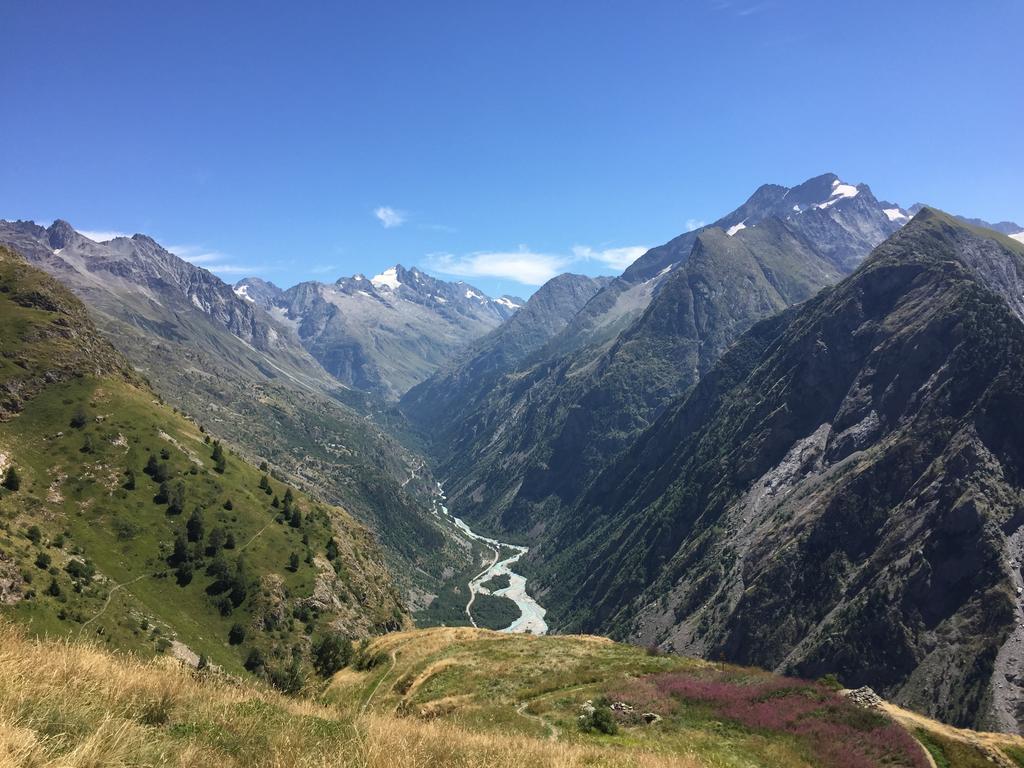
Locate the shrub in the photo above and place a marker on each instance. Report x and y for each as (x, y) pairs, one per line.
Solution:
(331, 652)
(79, 418)
(288, 679)
(600, 720)
(236, 635)
(42, 560)
(12, 480)
(80, 570)
(255, 662)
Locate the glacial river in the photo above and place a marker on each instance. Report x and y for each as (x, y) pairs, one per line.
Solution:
(531, 613)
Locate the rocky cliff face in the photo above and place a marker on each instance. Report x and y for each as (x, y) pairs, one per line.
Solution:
(843, 492)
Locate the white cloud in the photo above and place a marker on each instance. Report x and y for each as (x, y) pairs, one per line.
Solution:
(530, 267)
(522, 266)
(616, 258)
(692, 224)
(196, 254)
(235, 269)
(389, 217)
(102, 235)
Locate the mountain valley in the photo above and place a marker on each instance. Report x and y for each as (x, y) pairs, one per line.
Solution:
(786, 440)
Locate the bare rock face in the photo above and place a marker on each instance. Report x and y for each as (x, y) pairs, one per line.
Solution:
(11, 582)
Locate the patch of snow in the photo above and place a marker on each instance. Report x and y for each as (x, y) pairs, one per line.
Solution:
(365, 294)
(57, 252)
(388, 278)
(736, 228)
(198, 304)
(895, 214)
(242, 292)
(1019, 237)
(472, 294)
(440, 300)
(839, 191)
(358, 277)
(796, 208)
(507, 303)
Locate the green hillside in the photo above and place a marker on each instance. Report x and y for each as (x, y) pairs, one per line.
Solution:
(124, 521)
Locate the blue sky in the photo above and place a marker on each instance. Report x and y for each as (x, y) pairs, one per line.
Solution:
(501, 142)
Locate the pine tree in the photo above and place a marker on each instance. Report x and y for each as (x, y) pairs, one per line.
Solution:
(151, 466)
(332, 549)
(176, 498)
(184, 574)
(218, 457)
(293, 562)
(296, 518)
(181, 552)
(129, 481)
(194, 526)
(12, 480)
(215, 541)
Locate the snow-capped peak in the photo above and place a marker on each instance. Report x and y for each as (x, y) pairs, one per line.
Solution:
(387, 279)
(839, 191)
(895, 214)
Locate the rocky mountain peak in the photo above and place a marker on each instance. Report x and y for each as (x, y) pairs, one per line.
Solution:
(60, 234)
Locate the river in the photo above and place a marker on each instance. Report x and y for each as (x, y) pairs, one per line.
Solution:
(531, 613)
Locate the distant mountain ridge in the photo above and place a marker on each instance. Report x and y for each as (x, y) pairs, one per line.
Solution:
(386, 333)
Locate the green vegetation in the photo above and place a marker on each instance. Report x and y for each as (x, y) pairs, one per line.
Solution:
(142, 548)
(493, 612)
(498, 582)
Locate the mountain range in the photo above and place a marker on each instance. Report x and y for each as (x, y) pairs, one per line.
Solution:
(788, 439)
(382, 334)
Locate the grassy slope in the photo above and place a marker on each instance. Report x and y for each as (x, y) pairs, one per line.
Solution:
(449, 697)
(78, 501)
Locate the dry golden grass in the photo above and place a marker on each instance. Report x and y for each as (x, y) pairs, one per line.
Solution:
(69, 705)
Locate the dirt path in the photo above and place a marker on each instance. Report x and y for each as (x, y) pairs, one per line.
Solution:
(989, 744)
(254, 537)
(385, 676)
(553, 730)
(106, 604)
